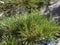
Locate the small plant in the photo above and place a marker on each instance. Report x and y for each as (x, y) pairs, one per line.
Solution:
(29, 28)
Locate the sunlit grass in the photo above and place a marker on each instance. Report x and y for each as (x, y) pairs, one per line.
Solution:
(28, 28)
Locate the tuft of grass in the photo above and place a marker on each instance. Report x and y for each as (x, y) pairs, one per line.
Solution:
(29, 28)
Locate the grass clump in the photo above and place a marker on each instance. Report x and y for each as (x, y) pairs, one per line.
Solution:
(28, 28)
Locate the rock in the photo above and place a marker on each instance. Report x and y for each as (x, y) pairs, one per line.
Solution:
(49, 42)
(58, 43)
(53, 9)
(1, 14)
(2, 2)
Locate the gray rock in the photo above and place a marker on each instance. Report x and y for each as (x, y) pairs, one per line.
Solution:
(49, 42)
(53, 9)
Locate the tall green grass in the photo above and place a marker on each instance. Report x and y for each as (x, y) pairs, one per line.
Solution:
(28, 28)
